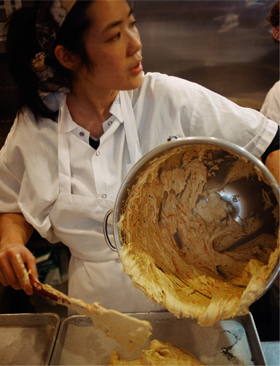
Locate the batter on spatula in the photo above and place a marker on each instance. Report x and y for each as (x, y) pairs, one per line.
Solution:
(128, 331)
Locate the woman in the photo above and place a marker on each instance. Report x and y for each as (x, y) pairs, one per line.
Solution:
(59, 184)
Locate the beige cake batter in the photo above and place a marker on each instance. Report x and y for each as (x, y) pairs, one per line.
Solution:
(176, 228)
(158, 354)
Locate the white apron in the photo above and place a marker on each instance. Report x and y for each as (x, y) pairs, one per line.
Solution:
(95, 271)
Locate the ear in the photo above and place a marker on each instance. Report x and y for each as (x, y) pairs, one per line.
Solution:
(66, 58)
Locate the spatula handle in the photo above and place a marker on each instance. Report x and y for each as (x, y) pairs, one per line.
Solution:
(42, 290)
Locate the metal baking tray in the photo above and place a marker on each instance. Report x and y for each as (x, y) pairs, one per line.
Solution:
(27, 339)
(271, 352)
(228, 342)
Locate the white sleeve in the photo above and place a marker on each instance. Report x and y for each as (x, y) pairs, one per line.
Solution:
(10, 177)
(183, 108)
(216, 116)
(9, 188)
(28, 172)
(271, 105)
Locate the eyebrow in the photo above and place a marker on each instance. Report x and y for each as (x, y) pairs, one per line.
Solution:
(118, 22)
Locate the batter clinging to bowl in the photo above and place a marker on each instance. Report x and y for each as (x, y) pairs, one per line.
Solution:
(88, 114)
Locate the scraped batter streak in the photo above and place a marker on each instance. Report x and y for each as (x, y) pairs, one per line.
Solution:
(158, 354)
(25, 274)
(175, 232)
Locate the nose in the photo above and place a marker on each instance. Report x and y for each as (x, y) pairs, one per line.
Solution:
(134, 44)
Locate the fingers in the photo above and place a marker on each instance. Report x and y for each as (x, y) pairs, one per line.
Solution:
(8, 276)
(15, 261)
(19, 267)
(3, 279)
(31, 265)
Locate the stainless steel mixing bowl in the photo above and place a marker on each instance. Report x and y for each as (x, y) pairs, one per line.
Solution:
(246, 196)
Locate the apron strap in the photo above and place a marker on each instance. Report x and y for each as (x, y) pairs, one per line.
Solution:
(63, 155)
(64, 164)
(130, 128)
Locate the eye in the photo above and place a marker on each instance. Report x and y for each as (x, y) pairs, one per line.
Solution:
(115, 37)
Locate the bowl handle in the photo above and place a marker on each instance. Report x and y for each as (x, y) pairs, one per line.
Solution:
(105, 231)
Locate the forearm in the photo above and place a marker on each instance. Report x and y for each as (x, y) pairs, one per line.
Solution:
(272, 163)
(14, 229)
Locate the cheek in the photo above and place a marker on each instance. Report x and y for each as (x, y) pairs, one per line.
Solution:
(108, 63)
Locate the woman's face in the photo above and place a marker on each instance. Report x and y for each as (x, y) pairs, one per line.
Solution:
(113, 47)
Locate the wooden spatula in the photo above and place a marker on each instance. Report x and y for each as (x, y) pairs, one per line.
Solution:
(128, 331)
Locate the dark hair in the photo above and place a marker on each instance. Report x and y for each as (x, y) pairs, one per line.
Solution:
(22, 46)
(273, 17)
(71, 36)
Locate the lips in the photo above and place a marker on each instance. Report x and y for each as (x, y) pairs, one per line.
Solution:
(137, 67)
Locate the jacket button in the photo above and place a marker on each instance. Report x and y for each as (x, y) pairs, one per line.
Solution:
(97, 153)
(104, 195)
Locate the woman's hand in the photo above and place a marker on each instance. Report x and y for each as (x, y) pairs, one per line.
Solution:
(14, 260)
(273, 164)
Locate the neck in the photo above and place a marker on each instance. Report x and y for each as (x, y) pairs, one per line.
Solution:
(90, 110)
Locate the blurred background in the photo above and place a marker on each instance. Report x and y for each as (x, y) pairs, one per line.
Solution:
(225, 45)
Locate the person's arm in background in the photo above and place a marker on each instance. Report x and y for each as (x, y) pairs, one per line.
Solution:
(271, 157)
(15, 232)
(272, 163)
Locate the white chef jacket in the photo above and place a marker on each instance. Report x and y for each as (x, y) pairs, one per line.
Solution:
(271, 104)
(67, 201)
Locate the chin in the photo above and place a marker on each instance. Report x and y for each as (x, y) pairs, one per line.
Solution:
(136, 83)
